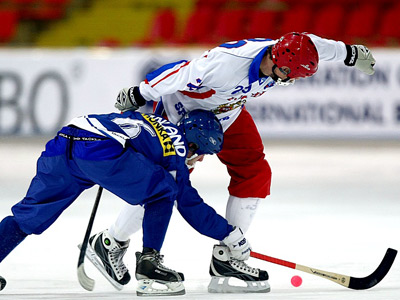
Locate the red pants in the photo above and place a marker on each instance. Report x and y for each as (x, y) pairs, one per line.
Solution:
(243, 154)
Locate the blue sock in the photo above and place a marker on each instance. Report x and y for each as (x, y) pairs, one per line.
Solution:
(10, 236)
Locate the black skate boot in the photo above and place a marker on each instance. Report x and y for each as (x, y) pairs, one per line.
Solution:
(223, 267)
(3, 283)
(149, 270)
(106, 254)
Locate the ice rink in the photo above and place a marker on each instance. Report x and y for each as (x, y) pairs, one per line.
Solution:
(334, 206)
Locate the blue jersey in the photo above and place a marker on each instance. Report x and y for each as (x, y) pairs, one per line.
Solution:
(163, 143)
(153, 136)
(138, 157)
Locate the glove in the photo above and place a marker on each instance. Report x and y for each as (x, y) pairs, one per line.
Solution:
(129, 99)
(360, 57)
(237, 243)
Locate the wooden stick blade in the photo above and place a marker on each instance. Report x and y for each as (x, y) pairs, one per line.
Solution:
(86, 282)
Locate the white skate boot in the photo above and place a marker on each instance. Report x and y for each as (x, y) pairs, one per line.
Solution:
(149, 271)
(106, 254)
(223, 267)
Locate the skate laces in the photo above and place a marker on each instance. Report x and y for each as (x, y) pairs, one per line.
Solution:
(242, 266)
(159, 260)
(116, 255)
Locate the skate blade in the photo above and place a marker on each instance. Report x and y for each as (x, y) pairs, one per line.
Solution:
(221, 285)
(95, 260)
(145, 288)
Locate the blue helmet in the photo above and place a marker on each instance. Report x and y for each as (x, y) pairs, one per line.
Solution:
(203, 132)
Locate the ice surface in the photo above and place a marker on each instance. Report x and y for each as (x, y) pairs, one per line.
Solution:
(334, 206)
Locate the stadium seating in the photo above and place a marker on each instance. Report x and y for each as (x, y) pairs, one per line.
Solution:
(8, 25)
(389, 29)
(229, 26)
(362, 23)
(198, 26)
(262, 24)
(162, 30)
(329, 21)
(199, 22)
(41, 9)
(297, 18)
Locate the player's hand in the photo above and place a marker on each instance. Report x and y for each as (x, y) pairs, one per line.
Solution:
(360, 57)
(238, 244)
(126, 100)
(192, 160)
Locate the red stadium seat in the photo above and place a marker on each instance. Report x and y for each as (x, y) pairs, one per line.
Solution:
(42, 10)
(162, 30)
(297, 18)
(328, 21)
(229, 26)
(164, 25)
(361, 22)
(199, 25)
(389, 28)
(8, 25)
(262, 24)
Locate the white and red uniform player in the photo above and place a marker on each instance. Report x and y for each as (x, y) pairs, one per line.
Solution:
(222, 80)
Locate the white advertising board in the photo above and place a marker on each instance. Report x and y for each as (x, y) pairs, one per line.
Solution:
(41, 90)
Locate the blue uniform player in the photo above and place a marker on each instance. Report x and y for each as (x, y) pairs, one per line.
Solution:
(142, 159)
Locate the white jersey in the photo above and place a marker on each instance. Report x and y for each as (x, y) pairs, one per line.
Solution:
(222, 79)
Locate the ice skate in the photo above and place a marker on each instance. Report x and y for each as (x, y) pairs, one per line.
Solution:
(224, 268)
(106, 254)
(150, 271)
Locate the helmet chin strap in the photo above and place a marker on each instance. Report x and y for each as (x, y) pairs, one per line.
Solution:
(280, 81)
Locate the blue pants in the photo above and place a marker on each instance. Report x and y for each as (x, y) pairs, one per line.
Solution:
(68, 167)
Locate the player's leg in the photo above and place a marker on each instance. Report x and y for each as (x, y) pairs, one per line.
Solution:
(51, 191)
(129, 221)
(136, 180)
(107, 248)
(161, 191)
(149, 266)
(243, 154)
(11, 236)
(240, 212)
